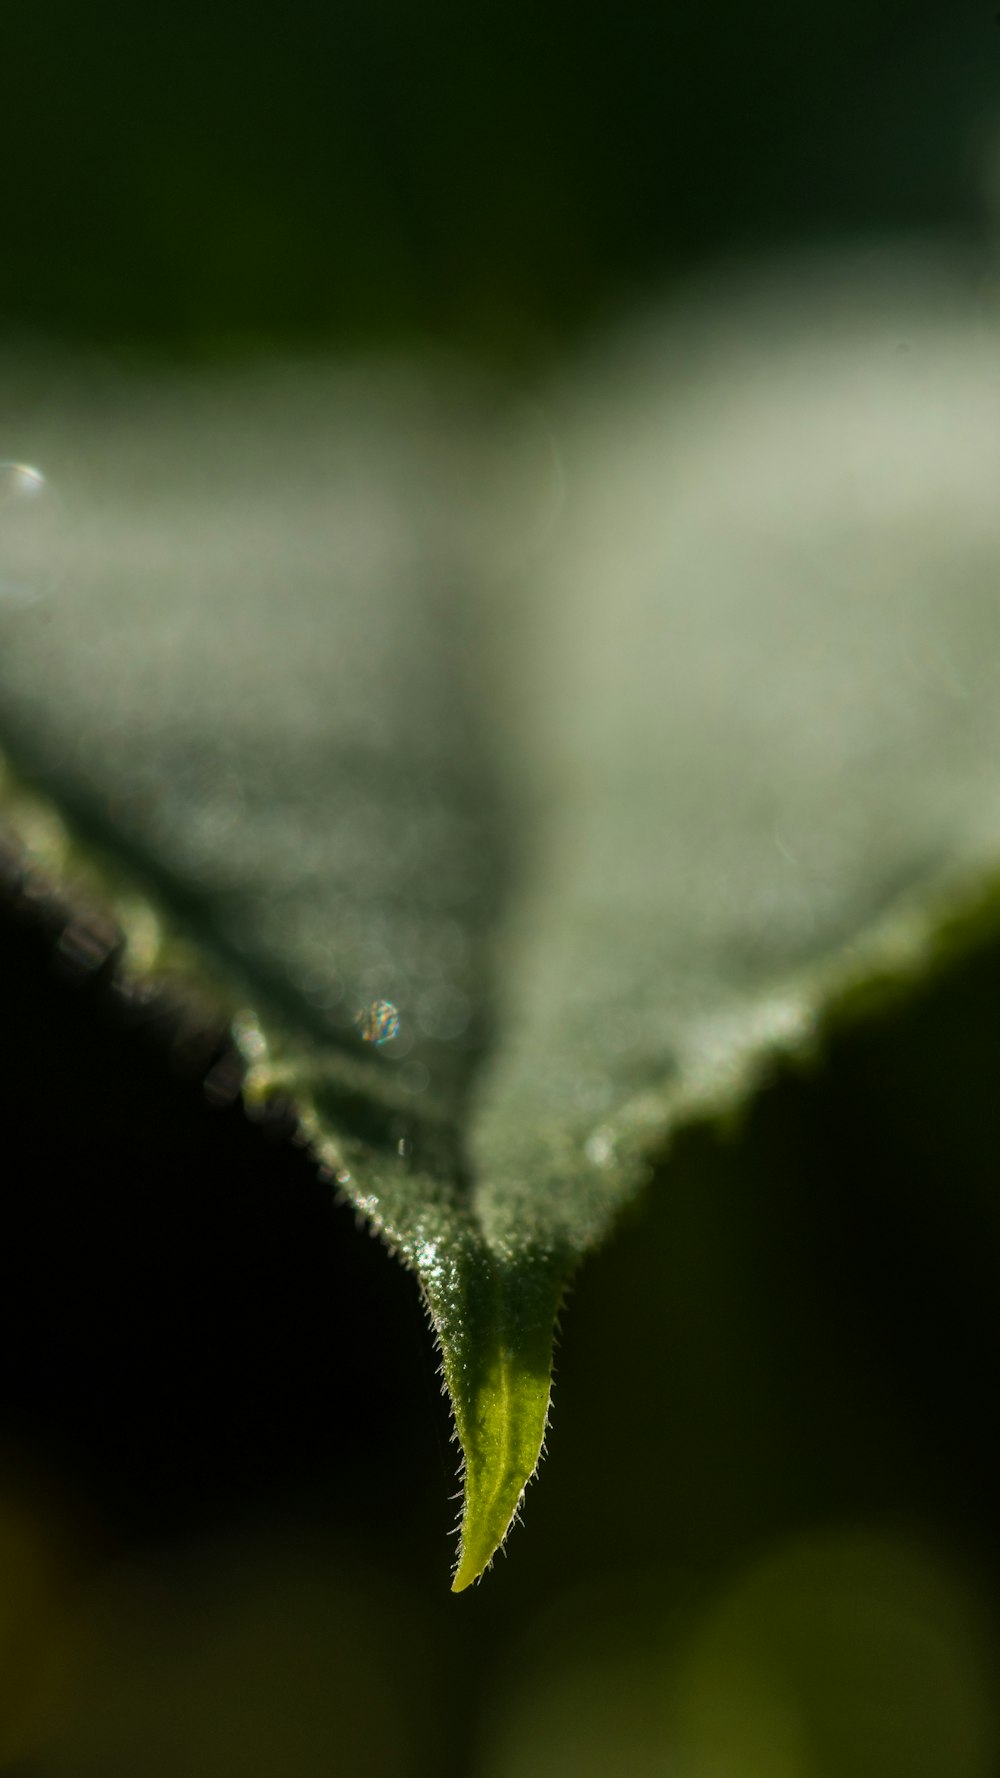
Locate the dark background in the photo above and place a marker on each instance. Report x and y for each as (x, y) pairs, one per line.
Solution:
(209, 177)
(194, 1339)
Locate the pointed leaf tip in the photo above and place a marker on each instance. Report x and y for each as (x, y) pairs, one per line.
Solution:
(501, 1460)
(501, 1418)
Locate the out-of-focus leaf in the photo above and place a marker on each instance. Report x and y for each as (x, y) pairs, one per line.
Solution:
(516, 832)
(842, 1652)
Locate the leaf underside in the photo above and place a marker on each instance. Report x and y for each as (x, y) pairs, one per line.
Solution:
(520, 788)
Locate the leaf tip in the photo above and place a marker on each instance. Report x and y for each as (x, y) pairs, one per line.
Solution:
(465, 1575)
(500, 1460)
(481, 1539)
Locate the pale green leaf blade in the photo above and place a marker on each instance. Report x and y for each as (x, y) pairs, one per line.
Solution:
(518, 841)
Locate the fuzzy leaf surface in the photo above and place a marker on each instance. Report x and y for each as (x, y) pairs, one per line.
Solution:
(521, 787)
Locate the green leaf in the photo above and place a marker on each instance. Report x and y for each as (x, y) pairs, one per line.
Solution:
(520, 787)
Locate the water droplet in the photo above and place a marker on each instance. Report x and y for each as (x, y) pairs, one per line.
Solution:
(29, 534)
(379, 1022)
(600, 1148)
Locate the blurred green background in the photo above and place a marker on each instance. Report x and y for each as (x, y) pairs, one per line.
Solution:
(201, 177)
(765, 1542)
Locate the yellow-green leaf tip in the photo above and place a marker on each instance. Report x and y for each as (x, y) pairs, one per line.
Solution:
(502, 1430)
